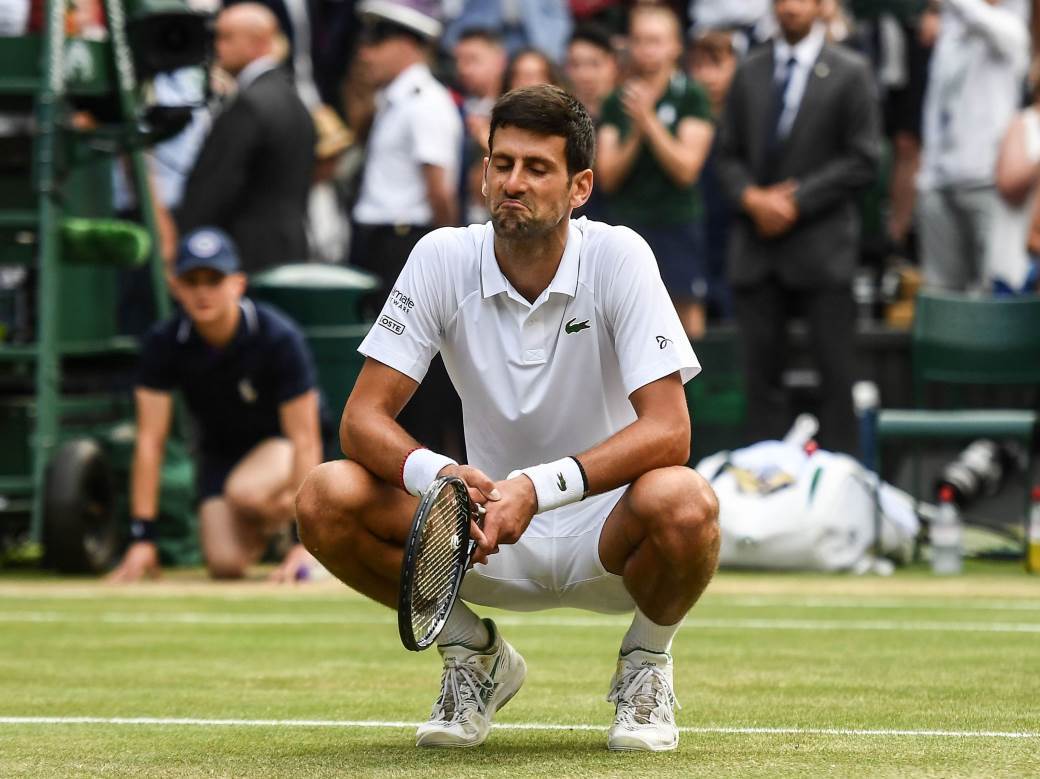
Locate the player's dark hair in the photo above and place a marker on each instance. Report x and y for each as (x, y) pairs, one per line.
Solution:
(548, 110)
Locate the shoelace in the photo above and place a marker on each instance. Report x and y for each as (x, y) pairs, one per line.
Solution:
(461, 686)
(642, 690)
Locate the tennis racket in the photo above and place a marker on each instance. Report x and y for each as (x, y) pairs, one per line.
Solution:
(436, 556)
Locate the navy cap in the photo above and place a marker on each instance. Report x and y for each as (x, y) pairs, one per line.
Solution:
(207, 247)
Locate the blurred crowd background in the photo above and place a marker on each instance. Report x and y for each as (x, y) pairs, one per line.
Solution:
(341, 131)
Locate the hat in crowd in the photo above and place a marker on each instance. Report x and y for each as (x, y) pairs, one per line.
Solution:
(207, 247)
(418, 17)
(333, 137)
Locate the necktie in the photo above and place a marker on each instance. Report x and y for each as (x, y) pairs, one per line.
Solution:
(774, 137)
(779, 92)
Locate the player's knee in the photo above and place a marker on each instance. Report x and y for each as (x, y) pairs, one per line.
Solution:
(316, 512)
(679, 511)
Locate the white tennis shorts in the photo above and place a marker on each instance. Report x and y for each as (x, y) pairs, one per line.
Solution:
(555, 564)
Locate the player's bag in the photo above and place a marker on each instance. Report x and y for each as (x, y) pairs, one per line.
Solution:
(782, 508)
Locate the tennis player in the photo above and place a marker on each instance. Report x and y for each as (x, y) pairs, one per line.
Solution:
(570, 360)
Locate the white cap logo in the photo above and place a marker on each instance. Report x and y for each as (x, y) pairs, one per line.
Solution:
(204, 245)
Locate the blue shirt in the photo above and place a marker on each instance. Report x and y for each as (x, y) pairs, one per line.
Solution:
(233, 392)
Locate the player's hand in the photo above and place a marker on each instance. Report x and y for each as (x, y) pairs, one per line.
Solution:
(507, 518)
(140, 561)
(294, 568)
(481, 488)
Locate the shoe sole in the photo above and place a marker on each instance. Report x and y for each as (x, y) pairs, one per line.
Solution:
(643, 748)
(495, 707)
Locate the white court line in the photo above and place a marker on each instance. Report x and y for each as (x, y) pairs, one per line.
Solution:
(376, 724)
(953, 604)
(204, 618)
(866, 602)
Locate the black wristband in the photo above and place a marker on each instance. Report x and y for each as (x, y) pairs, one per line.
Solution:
(143, 530)
(584, 478)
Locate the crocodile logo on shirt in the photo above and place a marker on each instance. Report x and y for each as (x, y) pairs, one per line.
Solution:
(570, 327)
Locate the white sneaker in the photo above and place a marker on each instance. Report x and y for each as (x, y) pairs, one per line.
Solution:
(476, 683)
(642, 690)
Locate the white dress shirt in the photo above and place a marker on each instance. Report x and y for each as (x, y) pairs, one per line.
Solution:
(416, 124)
(805, 54)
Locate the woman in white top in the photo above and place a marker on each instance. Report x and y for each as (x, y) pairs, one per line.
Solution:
(1009, 265)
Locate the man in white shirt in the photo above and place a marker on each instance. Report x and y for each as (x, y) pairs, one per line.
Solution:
(412, 157)
(410, 183)
(560, 338)
(974, 88)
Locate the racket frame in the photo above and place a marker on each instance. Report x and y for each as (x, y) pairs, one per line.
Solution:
(410, 563)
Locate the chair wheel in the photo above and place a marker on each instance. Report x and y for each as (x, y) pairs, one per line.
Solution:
(79, 517)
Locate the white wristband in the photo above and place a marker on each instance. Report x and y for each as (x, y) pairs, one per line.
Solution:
(557, 483)
(421, 468)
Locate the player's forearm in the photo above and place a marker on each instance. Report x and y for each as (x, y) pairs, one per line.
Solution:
(144, 479)
(376, 441)
(645, 445)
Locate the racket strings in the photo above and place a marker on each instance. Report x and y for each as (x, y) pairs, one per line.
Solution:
(443, 533)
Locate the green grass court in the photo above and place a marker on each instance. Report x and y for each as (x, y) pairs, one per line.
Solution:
(778, 676)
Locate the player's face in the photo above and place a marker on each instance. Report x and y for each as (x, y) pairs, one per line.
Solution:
(526, 184)
(796, 17)
(208, 295)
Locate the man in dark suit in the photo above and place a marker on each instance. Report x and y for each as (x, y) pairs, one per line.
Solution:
(254, 172)
(799, 138)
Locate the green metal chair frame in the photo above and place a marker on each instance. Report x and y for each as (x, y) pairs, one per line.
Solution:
(962, 340)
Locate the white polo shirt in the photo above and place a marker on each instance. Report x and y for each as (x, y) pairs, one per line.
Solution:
(543, 380)
(416, 123)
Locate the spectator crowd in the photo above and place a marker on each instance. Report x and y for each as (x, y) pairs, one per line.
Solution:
(776, 155)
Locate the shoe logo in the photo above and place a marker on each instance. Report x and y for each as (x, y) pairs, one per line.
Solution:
(662, 342)
(561, 482)
(570, 327)
(650, 663)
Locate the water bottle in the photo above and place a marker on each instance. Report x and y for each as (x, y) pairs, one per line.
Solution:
(865, 400)
(1033, 533)
(946, 532)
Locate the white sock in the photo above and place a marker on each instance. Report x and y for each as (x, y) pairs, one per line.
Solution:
(464, 627)
(648, 635)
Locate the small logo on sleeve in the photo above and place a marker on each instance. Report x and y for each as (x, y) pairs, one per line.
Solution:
(391, 324)
(561, 482)
(571, 327)
(663, 342)
(401, 301)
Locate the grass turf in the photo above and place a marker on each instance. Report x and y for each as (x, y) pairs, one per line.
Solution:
(805, 653)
